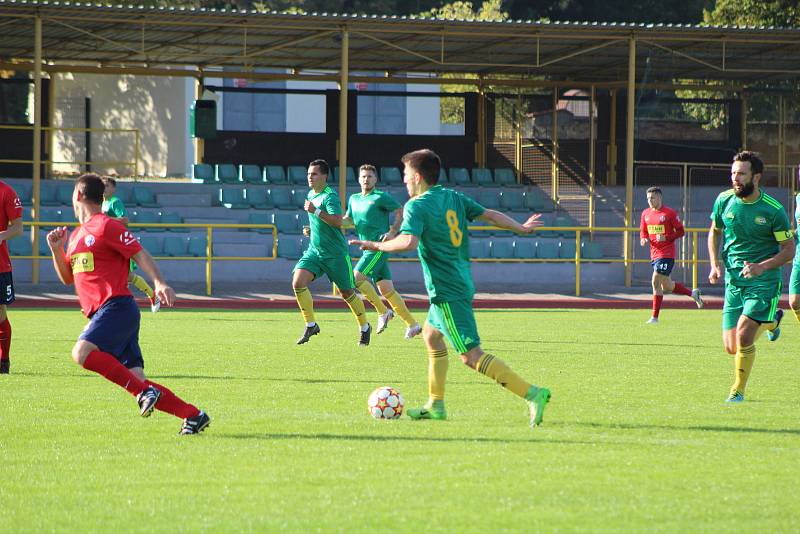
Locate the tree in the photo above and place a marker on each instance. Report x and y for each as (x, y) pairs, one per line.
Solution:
(781, 13)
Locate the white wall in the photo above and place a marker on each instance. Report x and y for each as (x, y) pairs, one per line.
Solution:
(156, 106)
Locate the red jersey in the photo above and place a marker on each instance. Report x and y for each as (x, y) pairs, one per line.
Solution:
(661, 222)
(99, 253)
(10, 209)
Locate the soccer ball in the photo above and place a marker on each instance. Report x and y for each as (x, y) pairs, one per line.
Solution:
(385, 403)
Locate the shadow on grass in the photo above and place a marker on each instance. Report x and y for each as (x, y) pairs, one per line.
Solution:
(604, 343)
(704, 428)
(378, 437)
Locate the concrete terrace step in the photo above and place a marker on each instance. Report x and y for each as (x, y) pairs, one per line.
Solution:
(174, 200)
(242, 249)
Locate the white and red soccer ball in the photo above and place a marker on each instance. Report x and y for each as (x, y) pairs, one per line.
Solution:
(385, 403)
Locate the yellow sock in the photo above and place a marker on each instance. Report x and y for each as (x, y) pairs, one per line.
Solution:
(306, 303)
(357, 307)
(142, 285)
(437, 374)
(365, 288)
(745, 357)
(399, 307)
(496, 369)
(796, 314)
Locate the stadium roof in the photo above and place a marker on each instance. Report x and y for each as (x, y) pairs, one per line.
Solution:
(92, 37)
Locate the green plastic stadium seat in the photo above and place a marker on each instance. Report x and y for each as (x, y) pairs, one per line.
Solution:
(233, 198)
(275, 174)
(44, 249)
(458, 176)
(287, 223)
(227, 173)
(547, 249)
(20, 246)
(351, 174)
(50, 215)
(125, 194)
(260, 218)
(204, 172)
(443, 179)
(391, 176)
(48, 191)
(501, 248)
(152, 245)
(148, 217)
(482, 177)
(512, 200)
(282, 198)
(489, 199)
(23, 191)
(251, 174)
(591, 250)
(567, 249)
(299, 197)
(298, 175)
(64, 194)
(175, 246)
(197, 246)
(563, 220)
(505, 177)
(289, 247)
(170, 217)
(144, 197)
(524, 249)
(478, 248)
(258, 197)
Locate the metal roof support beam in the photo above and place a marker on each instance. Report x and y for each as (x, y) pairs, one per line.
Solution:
(37, 140)
(262, 51)
(343, 83)
(629, 156)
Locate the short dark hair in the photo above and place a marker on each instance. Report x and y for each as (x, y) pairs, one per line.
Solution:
(426, 162)
(91, 187)
(654, 189)
(368, 167)
(109, 180)
(756, 165)
(323, 166)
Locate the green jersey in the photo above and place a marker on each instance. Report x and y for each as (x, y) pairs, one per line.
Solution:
(796, 226)
(113, 207)
(439, 218)
(751, 231)
(326, 240)
(370, 213)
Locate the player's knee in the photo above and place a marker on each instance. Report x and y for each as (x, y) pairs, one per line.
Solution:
(472, 357)
(347, 293)
(359, 276)
(79, 353)
(794, 302)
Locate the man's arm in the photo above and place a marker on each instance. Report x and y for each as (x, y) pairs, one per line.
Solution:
(123, 220)
(327, 218)
(55, 240)
(785, 255)
(400, 243)
(395, 227)
(677, 227)
(164, 292)
(14, 229)
(495, 218)
(713, 253)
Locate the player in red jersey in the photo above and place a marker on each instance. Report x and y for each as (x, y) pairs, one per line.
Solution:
(661, 227)
(97, 262)
(10, 226)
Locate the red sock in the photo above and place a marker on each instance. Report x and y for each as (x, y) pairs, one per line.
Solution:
(171, 403)
(657, 304)
(681, 289)
(105, 364)
(5, 340)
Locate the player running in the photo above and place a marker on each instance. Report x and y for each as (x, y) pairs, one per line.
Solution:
(327, 253)
(756, 241)
(794, 281)
(435, 221)
(97, 261)
(369, 212)
(115, 209)
(661, 227)
(10, 226)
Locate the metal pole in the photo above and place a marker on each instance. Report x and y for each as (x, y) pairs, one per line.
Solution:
(345, 72)
(208, 260)
(518, 139)
(578, 263)
(612, 141)
(37, 142)
(629, 148)
(51, 120)
(695, 257)
(592, 141)
(199, 142)
(744, 121)
(481, 155)
(554, 137)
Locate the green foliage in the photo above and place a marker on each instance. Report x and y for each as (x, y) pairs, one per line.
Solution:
(781, 13)
(490, 11)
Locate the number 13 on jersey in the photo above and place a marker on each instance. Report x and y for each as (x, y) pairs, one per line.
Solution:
(456, 235)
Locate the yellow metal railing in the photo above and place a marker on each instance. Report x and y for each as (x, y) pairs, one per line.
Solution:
(136, 144)
(209, 256)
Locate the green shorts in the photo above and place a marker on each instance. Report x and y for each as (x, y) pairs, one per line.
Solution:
(456, 321)
(374, 265)
(759, 303)
(794, 281)
(338, 269)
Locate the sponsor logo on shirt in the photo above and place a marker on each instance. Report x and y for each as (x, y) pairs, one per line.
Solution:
(89, 240)
(662, 219)
(728, 215)
(17, 202)
(655, 228)
(82, 262)
(127, 238)
(761, 220)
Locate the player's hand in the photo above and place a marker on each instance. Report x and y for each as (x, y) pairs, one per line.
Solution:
(309, 207)
(364, 245)
(56, 237)
(533, 222)
(715, 274)
(165, 294)
(307, 231)
(751, 270)
(643, 241)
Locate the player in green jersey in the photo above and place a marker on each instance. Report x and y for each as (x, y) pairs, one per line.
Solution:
(794, 283)
(114, 208)
(436, 222)
(369, 212)
(327, 253)
(756, 241)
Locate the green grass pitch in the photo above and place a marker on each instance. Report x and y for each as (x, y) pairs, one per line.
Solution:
(636, 437)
